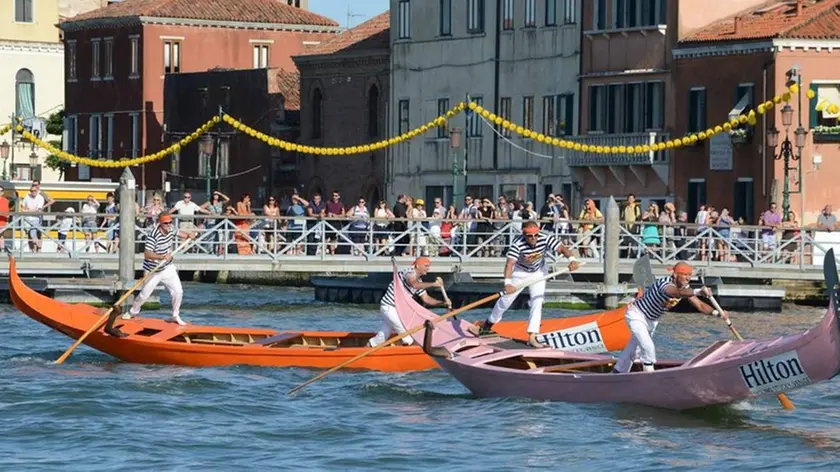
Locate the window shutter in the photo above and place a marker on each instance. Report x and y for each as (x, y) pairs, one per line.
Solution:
(813, 106)
(692, 110)
(570, 114)
(701, 110)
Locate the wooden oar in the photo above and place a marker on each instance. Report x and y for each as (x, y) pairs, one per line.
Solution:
(411, 331)
(783, 399)
(123, 298)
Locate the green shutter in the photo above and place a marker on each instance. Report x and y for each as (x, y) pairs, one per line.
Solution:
(701, 106)
(570, 114)
(813, 107)
(692, 112)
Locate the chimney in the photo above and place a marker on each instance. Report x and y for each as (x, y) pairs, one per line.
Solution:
(800, 4)
(737, 25)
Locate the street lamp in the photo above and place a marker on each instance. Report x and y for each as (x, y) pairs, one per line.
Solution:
(4, 154)
(787, 153)
(206, 148)
(33, 163)
(455, 144)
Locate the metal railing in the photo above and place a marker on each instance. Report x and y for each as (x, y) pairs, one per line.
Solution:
(283, 238)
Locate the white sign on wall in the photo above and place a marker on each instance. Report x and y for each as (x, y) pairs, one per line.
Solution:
(720, 152)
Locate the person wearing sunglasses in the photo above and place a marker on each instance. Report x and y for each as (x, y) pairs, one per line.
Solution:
(526, 261)
(158, 251)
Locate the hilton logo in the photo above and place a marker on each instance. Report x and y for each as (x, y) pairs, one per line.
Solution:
(584, 338)
(776, 374)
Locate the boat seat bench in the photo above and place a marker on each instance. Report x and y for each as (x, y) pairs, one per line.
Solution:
(278, 338)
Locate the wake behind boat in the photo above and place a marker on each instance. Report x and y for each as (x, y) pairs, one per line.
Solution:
(725, 372)
(155, 341)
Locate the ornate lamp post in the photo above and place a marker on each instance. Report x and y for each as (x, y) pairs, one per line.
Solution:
(455, 143)
(787, 153)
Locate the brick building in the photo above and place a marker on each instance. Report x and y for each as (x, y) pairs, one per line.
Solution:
(345, 85)
(734, 64)
(628, 91)
(117, 57)
(266, 99)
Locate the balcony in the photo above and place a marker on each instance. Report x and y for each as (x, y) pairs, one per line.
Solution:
(658, 161)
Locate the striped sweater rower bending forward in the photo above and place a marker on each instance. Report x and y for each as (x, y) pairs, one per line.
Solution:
(526, 261)
(411, 280)
(643, 315)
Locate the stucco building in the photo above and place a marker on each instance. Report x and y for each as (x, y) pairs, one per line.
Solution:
(519, 59)
(117, 58)
(738, 62)
(345, 84)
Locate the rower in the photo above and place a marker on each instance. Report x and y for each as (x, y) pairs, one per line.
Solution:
(159, 251)
(526, 261)
(411, 280)
(642, 315)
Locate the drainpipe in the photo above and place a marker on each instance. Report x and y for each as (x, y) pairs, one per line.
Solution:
(497, 73)
(764, 132)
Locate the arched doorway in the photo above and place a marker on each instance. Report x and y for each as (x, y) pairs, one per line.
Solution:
(25, 93)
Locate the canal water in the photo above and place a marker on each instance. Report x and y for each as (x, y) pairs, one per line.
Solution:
(95, 413)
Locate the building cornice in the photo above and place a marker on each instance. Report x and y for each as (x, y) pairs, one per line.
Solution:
(148, 20)
(712, 49)
(624, 73)
(31, 47)
(374, 56)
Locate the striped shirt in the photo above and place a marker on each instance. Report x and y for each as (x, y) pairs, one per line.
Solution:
(158, 243)
(388, 299)
(532, 258)
(654, 300)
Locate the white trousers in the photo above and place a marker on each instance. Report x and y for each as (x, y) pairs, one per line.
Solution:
(641, 344)
(391, 325)
(169, 278)
(537, 292)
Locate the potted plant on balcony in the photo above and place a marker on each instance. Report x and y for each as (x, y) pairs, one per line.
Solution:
(739, 135)
(827, 132)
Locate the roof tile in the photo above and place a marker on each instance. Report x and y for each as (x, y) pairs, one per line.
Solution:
(287, 83)
(249, 11)
(371, 35)
(820, 19)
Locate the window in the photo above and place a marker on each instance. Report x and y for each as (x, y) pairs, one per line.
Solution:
(95, 134)
(696, 197)
(744, 99)
(474, 128)
(475, 16)
(530, 13)
(171, 57)
(654, 105)
(373, 111)
(404, 12)
(504, 110)
(481, 191)
(135, 134)
(696, 110)
(109, 58)
(823, 122)
(507, 15)
(442, 108)
(134, 72)
(597, 108)
(599, 14)
(744, 204)
(260, 56)
(550, 12)
(637, 13)
(403, 116)
(109, 142)
(570, 11)
(445, 17)
(24, 94)
(528, 113)
(71, 60)
(317, 113)
(94, 59)
(23, 11)
(71, 124)
(558, 115)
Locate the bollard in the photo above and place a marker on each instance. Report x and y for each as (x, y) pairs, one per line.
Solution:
(127, 219)
(611, 243)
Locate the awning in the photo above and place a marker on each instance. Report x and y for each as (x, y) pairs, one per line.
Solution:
(740, 106)
(830, 94)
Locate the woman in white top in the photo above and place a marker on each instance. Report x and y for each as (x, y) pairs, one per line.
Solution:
(381, 215)
(360, 219)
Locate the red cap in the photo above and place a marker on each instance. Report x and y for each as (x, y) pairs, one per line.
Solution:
(531, 230)
(165, 219)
